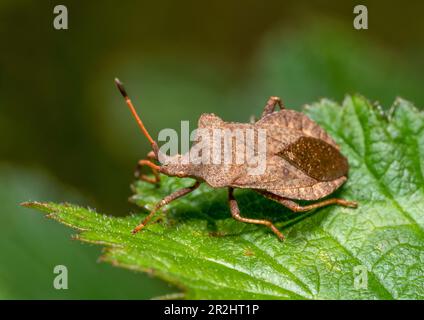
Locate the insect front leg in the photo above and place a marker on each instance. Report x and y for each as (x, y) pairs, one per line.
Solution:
(235, 212)
(151, 165)
(270, 105)
(298, 208)
(173, 196)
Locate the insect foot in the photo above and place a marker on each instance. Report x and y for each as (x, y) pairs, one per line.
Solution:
(350, 204)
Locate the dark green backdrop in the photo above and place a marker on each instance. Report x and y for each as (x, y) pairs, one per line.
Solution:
(66, 135)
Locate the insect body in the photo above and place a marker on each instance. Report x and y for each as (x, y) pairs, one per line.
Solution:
(302, 162)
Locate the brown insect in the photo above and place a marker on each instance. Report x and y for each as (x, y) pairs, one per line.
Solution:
(302, 163)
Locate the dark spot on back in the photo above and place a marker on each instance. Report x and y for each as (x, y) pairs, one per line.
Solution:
(316, 158)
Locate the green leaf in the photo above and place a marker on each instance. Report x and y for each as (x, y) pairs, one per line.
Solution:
(373, 252)
(31, 248)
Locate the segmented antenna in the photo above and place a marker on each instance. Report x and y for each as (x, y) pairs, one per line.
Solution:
(134, 113)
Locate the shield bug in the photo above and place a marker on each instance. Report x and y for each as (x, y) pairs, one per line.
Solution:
(302, 162)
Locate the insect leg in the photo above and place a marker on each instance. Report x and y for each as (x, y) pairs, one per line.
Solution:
(169, 198)
(151, 165)
(270, 105)
(298, 208)
(235, 212)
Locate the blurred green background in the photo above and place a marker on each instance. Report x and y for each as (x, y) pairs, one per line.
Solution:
(66, 134)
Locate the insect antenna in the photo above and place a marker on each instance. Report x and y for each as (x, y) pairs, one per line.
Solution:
(135, 115)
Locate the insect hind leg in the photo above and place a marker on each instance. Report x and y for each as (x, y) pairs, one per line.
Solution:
(235, 212)
(299, 208)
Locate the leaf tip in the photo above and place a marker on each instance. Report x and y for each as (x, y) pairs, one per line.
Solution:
(34, 205)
